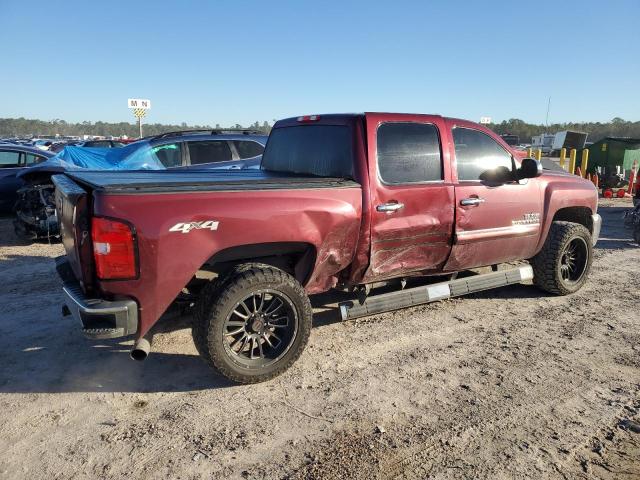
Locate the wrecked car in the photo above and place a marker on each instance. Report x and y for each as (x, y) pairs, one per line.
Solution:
(15, 159)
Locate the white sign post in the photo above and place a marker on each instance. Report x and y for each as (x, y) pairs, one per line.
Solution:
(139, 107)
(485, 120)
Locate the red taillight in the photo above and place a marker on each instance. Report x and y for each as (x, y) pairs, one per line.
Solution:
(309, 118)
(113, 249)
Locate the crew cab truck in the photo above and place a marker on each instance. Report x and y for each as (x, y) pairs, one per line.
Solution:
(341, 201)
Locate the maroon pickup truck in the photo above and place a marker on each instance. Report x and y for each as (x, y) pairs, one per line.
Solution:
(341, 201)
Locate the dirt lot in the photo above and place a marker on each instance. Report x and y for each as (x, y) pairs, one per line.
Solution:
(505, 384)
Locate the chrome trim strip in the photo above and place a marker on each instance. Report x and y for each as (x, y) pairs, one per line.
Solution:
(490, 233)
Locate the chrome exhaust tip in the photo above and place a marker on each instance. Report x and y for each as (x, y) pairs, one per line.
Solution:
(141, 349)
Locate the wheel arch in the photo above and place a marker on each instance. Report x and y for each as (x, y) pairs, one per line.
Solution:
(296, 258)
(578, 214)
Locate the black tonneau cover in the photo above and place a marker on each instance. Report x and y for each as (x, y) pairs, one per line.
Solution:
(161, 181)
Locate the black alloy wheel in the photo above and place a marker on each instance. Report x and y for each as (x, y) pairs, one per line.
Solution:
(260, 328)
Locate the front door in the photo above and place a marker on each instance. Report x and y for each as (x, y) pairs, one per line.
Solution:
(412, 196)
(494, 223)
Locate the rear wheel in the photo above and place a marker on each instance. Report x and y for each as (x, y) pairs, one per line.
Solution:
(253, 324)
(564, 262)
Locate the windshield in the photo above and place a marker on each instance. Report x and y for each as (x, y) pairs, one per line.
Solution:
(319, 150)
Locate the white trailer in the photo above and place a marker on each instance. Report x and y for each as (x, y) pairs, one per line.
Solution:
(543, 142)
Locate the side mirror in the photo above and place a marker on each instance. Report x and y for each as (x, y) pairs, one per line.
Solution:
(529, 168)
(497, 176)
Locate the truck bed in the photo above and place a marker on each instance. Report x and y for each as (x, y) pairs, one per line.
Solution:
(161, 181)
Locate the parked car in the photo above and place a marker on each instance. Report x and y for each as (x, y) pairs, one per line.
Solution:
(202, 148)
(341, 201)
(100, 144)
(14, 159)
(42, 144)
(59, 146)
(209, 149)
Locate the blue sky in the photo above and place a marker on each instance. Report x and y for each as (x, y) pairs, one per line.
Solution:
(233, 62)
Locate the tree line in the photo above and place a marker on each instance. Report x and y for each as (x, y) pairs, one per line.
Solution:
(596, 130)
(13, 127)
(25, 127)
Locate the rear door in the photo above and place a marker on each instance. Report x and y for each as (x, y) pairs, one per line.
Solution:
(411, 195)
(494, 223)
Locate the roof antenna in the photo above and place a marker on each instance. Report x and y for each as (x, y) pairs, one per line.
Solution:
(546, 122)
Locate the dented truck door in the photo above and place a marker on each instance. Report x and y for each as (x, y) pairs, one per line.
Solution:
(411, 195)
(495, 222)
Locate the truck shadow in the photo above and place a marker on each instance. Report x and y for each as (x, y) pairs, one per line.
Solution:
(614, 235)
(84, 366)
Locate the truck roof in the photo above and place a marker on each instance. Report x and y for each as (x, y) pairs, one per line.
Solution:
(341, 118)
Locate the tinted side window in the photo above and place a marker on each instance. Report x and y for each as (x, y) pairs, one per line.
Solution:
(409, 153)
(209, 152)
(32, 159)
(9, 159)
(247, 149)
(168, 155)
(476, 153)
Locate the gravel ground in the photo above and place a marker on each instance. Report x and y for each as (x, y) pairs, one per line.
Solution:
(510, 383)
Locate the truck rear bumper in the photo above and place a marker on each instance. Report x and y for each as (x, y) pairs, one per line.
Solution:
(597, 225)
(100, 319)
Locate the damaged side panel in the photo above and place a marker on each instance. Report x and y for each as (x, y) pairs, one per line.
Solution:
(329, 222)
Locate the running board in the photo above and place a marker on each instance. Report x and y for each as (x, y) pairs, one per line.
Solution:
(416, 296)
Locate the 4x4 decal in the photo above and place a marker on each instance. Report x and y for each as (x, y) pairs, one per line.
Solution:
(187, 227)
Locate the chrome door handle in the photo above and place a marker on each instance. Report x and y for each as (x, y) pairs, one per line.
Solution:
(390, 207)
(468, 202)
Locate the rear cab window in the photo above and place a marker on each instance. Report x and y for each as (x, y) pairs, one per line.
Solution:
(311, 149)
(408, 152)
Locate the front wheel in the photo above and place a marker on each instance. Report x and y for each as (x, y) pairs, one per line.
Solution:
(254, 324)
(564, 262)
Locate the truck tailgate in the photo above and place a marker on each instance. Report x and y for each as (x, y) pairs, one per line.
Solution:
(72, 209)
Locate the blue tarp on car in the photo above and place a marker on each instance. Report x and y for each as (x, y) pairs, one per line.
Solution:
(125, 158)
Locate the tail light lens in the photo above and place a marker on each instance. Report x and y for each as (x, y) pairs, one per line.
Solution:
(114, 249)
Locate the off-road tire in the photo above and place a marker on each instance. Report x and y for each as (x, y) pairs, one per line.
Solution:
(546, 264)
(219, 298)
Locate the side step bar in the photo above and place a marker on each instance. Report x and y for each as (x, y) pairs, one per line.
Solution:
(416, 296)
